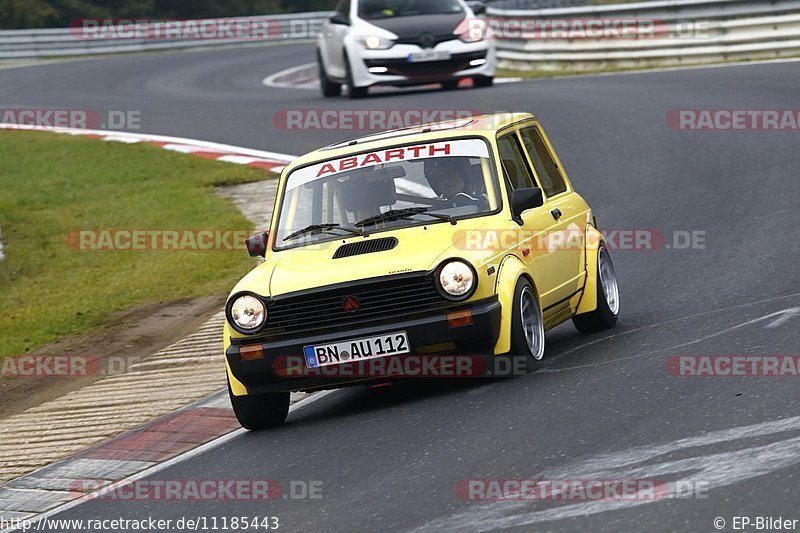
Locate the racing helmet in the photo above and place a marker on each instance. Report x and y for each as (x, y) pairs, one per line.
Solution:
(439, 168)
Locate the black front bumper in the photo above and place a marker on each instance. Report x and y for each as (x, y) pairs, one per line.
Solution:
(428, 71)
(278, 364)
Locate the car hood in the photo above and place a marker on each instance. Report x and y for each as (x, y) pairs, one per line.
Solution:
(419, 248)
(414, 27)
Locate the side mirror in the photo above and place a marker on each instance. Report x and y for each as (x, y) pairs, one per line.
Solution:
(524, 199)
(479, 8)
(341, 19)
(257, 244)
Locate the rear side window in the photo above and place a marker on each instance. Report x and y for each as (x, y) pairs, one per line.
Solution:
(516, 167)
(543, 163)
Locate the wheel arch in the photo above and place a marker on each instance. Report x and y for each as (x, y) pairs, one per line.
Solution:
(237, 387)
(510, 271)
(594, 240)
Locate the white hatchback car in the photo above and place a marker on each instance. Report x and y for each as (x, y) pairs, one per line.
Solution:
(404, 42)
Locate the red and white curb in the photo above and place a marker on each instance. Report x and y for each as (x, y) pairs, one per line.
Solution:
(272, 161)
(140, 453)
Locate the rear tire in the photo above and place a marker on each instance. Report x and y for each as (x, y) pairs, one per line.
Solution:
(527, 326)
(352, 91)
(607, 312)
(260, 411)
(329, 88)
(483, 81)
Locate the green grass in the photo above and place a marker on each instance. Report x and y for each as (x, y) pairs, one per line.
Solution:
(52, 185)
(561, 72)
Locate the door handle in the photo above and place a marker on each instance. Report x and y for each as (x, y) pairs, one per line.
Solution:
(556, 213)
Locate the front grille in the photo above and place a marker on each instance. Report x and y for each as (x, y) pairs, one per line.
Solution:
(427, 41)
(380, 298)
(368, 246)
(403, 67)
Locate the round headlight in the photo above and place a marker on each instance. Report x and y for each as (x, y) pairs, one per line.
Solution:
(457, 278)
(248, 313)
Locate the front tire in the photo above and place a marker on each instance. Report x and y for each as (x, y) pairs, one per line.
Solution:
(260, 411)
(329, 88)
(450, 85)
(352, 91)
(483, 81)
(527, 326)
(607, 312)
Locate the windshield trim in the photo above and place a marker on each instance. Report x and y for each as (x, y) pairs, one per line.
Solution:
(285, 181)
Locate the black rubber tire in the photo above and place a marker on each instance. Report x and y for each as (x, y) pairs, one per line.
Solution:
(329, 89)
(353, 93)
(450, 85)
(483, 81)
(260, 411)
(519, 346)
(602, 317)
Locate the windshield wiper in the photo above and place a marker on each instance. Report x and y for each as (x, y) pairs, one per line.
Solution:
(322, 228)
(399, 214)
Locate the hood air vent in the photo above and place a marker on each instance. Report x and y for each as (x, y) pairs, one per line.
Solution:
(368, 246)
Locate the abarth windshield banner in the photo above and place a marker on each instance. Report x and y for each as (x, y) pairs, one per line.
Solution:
(456, 148)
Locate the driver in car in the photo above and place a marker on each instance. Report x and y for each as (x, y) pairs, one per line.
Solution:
(450, 181)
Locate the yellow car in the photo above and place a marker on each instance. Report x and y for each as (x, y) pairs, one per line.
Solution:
(462, 238)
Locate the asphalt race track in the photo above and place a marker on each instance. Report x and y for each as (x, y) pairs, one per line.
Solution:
(606, 406)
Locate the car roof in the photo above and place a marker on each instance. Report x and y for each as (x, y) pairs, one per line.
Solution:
(480, 125)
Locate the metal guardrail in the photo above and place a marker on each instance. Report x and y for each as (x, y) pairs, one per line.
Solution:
(65, 42)
(734, 29)
(687, 32)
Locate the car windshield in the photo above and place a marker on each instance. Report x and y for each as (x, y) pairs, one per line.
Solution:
(381, 9)
(386, 189)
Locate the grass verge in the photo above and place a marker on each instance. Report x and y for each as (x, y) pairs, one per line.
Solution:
(54, 185)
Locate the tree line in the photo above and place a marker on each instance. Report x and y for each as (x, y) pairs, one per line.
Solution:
(18, 14)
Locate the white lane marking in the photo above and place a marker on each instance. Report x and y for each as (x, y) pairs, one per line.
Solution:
(216, 443)
(651, 462)
(786, 315)
(271, 81)
(659, 324)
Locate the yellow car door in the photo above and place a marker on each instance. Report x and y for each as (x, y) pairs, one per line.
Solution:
(553, 282)
(568, 210)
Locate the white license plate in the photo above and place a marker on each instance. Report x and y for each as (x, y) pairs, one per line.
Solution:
(431, 55)
(356, 350)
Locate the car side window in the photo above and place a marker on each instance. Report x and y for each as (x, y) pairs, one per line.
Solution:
(516, 167)
(543, 163)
